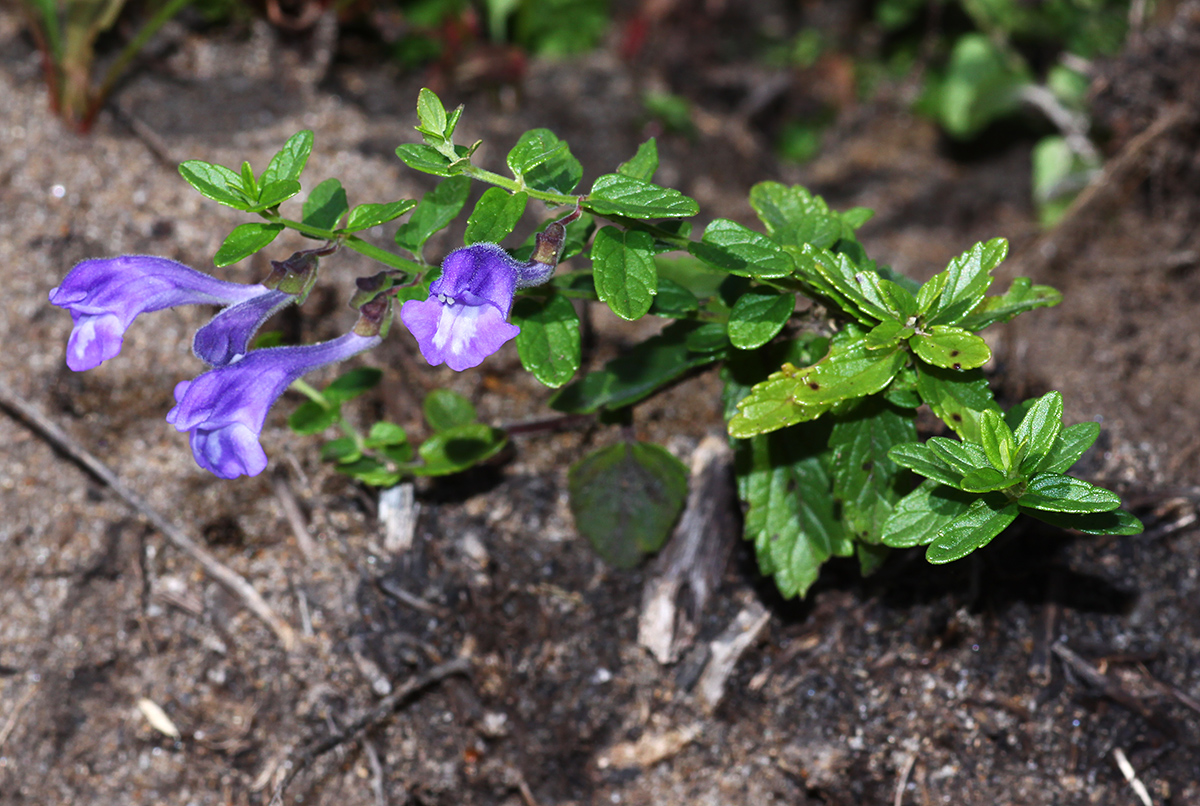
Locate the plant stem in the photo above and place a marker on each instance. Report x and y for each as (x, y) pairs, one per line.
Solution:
(308, 390)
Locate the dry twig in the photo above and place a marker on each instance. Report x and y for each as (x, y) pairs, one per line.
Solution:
(222, 573)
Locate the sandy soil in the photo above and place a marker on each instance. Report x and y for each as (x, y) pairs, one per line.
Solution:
(941, 681)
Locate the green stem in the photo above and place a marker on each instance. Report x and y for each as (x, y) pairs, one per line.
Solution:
(513, 186)
(385, 257)
(312, 393)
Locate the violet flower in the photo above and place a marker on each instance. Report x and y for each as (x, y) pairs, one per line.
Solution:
(226, 338)
(105, 295)
(464, 320)
(225, 408)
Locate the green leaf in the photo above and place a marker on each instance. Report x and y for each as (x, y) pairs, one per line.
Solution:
(951, 348)
(998, 443)
(248, 184)
(758, 316)
(549, 342)
(371, 472)
(672, 299)
(982, 84)
(431, 113)
(974, 530)
(458, 448)
(1021, 296)
(790, 517)
(495, 215)
(310, 417)
(352, 384)
(708, 337)
(834, 277)
(617, 195)
(215, 182)
(1052, 492)
(543, 162)
(643, 164)
(1073, 441)
(288, 164)
(986, 480)
(365, 216)
(922, 514)
(924, 460)
(275, 194)
(384, 434)
(245, 240)
(968, 278)
(624, 271)
(635, 374)
(865, 479)
(342, 450)
(427, 159)
(1115, 522)
(793, 216)
(729, 246)
(1038, 431)
(795, 395)
(437, 209)
(888, 333)
(625, 499)
(446, 409)
(962, 457)
(958, 398)
(325, 205)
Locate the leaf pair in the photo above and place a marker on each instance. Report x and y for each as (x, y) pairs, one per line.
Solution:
(974, 489)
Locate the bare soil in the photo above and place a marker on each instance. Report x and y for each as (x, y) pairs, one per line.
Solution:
(942, 682)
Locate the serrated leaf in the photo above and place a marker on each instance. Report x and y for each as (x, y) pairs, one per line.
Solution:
(436, 210)
(834, 277)
(624, 271)
(495, 215)
(625, 498)
(793, 216)
(1073, 441)
(215, 182)
(1115, 522)
(985, 480)
(924, 460)
(614, 194)
(970, 532)
(430, 112)
(758, 316)
(1052, 492)
(635, 374)
(962, 457)
(729, 246)
(1038, 430)
(458, 448)
(790, 515)
(310, 417)
(384, 434)
(365, 216)
(445, 409)
(352, 384)
(958, 398)
(930, 292)
(968, 278)
(865, 479)
(289, 162)
(643, 164)
(245, 240)
(325, 205)
(950, 348)
(549, 343)
(1021, 296)
(887, 333)
(919, 516)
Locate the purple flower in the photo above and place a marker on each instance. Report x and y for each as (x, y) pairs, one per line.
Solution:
(226, 338)
(464, 320)
(105, 295)
(225, 408)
